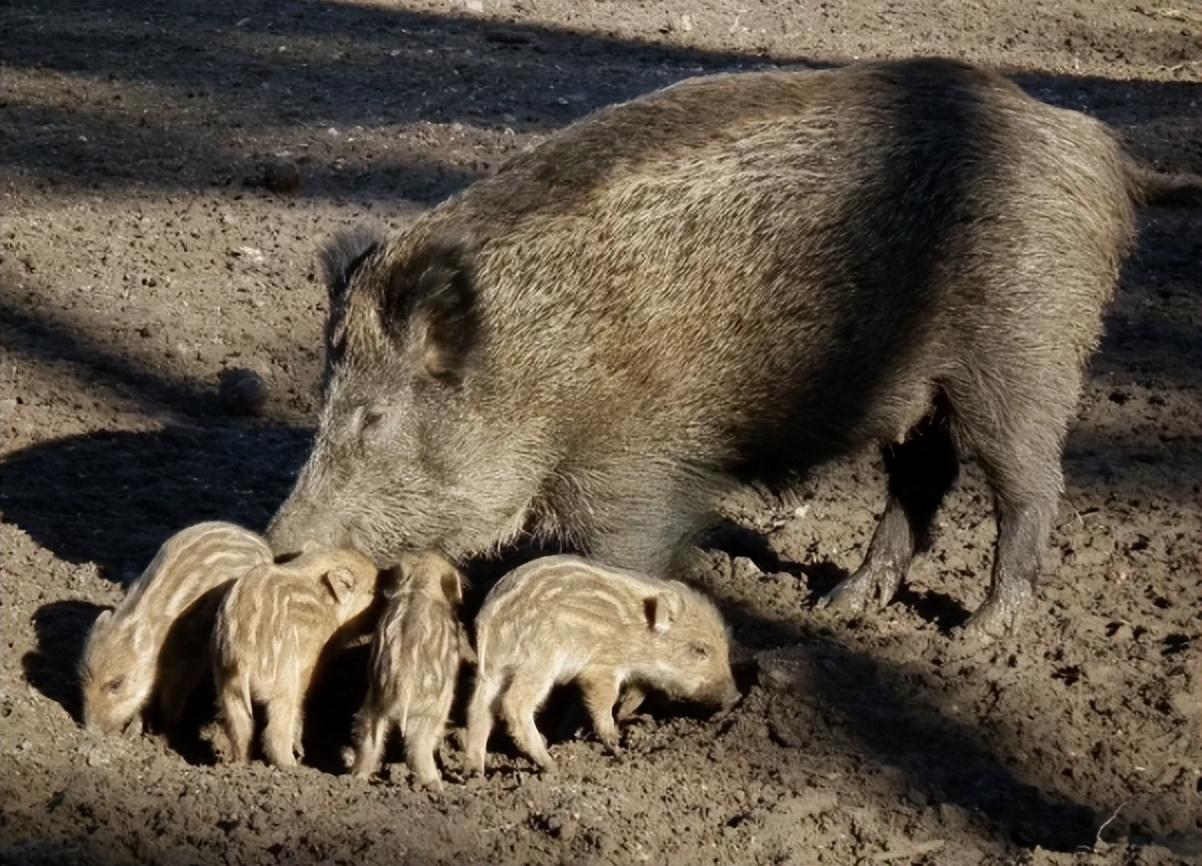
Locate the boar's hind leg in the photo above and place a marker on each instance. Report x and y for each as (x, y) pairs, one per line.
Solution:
(1021, 458)
(920, 471)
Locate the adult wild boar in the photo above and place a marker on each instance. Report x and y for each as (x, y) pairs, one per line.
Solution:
(730, 280)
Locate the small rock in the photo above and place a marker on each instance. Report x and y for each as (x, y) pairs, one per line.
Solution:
(686, 23)
(254, 255)
(281, 176)
(563, 828)
(241, 391)
(146, 331)
(743, 568)
(476, 6)
(8, 406)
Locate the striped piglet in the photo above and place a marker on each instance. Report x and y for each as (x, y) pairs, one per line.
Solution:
(155, 643)
(560, 619)
(272, 630)
(416, 653)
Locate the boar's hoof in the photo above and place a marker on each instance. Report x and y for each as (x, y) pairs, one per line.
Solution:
(994, 619)
(870, 584)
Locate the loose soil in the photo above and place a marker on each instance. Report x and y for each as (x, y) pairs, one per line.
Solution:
(145, 248)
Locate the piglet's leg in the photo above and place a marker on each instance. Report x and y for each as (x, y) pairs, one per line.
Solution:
(527, 691)
(632, 699)
(479, 723)
(280, 735)
(600, 688)
(238, 719)
(371, 730)
(421, 740)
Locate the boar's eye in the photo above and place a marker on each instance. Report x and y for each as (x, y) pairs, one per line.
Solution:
(371, 422)
(114, 685)
(699, 652)
(371, 418)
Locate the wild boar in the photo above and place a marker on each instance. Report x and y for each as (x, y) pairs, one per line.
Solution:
(563, 619)
(272, 628)
(415, 657)
(730, 281)
(153, 646)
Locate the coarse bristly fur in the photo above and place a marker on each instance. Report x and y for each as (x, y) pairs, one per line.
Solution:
(562, 619)
(732, 280)
(272, 629)
(416, 653)
(151, 649)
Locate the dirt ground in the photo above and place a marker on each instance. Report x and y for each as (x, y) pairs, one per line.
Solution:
(141, 255)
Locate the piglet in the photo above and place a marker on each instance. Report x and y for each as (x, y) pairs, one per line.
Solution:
(560, 619)
(153, 647)
(272, 629)
(416, 652)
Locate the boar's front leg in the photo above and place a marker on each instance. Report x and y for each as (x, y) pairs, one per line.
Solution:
(650, 519)
(920, 471)
(600, 688)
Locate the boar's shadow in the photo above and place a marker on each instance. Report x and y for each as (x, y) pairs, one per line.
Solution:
(113, 497)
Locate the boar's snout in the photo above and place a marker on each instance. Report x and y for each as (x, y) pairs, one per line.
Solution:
(290, 531)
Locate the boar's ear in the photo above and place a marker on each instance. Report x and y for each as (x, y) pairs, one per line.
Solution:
(662, 610)
(431, 305)
(340, 582)
(340, 259)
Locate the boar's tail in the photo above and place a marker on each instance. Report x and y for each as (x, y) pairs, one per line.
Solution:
(1151, 187)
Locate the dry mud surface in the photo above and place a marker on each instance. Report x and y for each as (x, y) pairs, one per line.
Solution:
(140, 256)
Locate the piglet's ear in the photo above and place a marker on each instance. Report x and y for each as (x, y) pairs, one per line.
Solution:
(452, 584)
(466, 651)
(662, 610)
(340, 582)
(431, 308)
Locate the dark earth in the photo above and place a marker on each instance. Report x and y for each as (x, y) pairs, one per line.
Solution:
(167, 172)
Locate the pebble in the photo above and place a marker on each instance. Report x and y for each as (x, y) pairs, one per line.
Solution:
(281, 176)
(241, 391)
